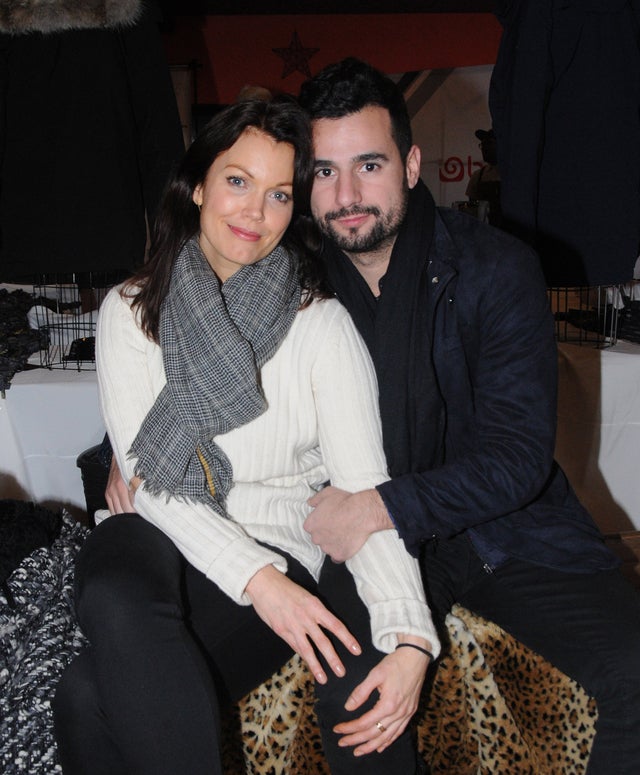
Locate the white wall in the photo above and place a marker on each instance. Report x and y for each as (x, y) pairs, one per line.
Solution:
(444, 129)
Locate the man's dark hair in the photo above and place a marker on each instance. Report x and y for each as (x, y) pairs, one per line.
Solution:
(350, 85)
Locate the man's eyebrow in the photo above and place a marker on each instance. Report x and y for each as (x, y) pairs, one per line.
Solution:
(359, 159)
(371, 156)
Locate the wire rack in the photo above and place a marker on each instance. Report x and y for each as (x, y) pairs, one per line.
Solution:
(65, 311)
(588, 315)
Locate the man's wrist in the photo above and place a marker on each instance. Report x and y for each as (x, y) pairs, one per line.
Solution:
(377, 515)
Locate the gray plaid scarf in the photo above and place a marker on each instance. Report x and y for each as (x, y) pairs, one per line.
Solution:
(214, 339)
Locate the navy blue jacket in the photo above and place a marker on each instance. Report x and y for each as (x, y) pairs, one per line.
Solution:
(495, 359)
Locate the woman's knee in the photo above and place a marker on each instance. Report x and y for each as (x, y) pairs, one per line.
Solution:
(332, 696)
(125, 568)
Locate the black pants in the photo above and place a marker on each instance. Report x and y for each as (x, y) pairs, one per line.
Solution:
(168, 648)
(587, 625)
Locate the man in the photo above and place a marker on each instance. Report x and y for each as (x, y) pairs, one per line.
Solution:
(484, 184)
(456, 318)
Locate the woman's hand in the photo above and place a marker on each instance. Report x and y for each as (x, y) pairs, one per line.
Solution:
(118, 494)
(398, 678)
(298, 617)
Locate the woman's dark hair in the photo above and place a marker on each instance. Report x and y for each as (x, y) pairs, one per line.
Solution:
(178, 218)
(350, 85)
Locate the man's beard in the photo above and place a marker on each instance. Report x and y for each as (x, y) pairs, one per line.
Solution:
(383, 231)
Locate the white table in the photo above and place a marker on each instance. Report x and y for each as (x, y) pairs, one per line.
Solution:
(598, 442)
(47, 419)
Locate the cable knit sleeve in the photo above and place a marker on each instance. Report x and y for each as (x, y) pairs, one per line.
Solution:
(387, 577)
(130, 376)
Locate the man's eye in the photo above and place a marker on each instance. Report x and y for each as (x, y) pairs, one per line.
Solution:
(370, 166)
(324, 172)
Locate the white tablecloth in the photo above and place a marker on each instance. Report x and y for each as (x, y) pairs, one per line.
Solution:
(598, 440)
(47, 419)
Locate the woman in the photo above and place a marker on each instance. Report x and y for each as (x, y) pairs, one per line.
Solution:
(232, 389)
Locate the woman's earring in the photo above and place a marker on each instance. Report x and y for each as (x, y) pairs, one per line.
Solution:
(199, 208)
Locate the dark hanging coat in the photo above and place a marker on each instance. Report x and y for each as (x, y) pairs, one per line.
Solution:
(565, 103)
(89, 130)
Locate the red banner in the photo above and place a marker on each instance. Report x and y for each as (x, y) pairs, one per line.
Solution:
(280, 52)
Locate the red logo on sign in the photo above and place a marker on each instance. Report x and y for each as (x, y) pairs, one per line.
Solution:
(452, 169)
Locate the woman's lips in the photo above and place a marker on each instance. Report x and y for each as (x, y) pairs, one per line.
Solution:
(250, 236)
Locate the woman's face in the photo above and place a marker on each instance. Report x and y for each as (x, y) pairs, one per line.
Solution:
(247, 202)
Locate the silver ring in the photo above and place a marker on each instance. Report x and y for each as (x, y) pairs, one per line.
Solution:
(381, 726)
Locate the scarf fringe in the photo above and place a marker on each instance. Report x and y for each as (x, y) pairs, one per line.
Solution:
(156, 490)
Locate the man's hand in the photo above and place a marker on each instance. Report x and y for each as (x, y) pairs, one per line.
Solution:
(341, 522)
(398, 679)
(119, 495)
(300, 619)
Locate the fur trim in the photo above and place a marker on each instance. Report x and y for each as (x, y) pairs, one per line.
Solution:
(46, 16)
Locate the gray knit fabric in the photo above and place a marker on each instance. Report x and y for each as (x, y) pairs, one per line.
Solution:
(39, 636)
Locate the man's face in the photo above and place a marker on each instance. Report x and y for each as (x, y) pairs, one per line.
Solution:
(361, 185)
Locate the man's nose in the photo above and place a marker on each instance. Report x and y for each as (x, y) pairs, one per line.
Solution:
(348, 191)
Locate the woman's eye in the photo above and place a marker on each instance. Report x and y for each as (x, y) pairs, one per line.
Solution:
(235, 181)
(280, 196)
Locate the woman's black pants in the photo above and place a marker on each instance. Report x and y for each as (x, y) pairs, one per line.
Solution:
(169, 648)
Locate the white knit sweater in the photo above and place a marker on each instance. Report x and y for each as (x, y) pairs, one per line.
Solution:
(321, 424)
